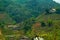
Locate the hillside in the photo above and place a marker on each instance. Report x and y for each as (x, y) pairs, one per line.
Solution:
(31, 18)
(20, 10)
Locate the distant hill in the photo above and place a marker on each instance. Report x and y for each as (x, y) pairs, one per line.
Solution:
(20, 10)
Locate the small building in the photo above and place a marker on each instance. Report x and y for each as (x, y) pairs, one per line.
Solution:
(49, 11)
(11, 26)
(38, 38)
(53, 10)
(24, 38)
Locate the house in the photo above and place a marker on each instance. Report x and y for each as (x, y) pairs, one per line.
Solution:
(52, 10)
(38, 38)
(24, 38)
(10, 26)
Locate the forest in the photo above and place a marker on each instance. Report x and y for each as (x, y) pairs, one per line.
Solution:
(19, 18)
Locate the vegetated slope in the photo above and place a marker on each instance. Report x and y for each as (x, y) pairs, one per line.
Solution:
(20, 10)
(53, 16)
(5, 19)
(44, 25)
(30, 17)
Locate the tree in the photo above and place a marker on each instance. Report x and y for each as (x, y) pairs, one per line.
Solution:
(43, 24)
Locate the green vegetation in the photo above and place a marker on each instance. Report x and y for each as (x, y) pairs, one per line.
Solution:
(29, 18)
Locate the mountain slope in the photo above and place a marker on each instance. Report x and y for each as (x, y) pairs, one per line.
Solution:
(20, 10)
